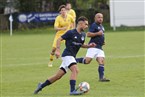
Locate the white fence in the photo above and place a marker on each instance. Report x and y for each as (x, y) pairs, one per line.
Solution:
(127, 13)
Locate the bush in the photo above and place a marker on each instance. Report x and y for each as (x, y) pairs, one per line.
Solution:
(90, 13)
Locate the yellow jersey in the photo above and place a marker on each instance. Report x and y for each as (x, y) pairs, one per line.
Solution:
(63, 22)
(72, 13)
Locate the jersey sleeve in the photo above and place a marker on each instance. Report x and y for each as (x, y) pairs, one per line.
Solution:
(73, 13)
(67, 35)
(92, 28)
(56, 24)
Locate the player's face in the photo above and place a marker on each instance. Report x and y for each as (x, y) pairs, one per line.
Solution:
(63, 11)
(68, 6)
(84, 25)
(99, 18)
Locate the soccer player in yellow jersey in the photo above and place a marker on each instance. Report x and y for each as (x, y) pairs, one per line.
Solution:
(63, 23)
(70, 10)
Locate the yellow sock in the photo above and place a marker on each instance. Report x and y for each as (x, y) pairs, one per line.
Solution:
(51, 57)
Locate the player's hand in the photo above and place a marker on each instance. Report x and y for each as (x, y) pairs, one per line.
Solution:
(92, 45)
(57, 53)
(64, 28)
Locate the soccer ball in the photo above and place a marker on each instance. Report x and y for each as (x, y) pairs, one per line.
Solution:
(84, 86)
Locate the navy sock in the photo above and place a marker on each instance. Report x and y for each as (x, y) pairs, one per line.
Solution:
(72, 85)
(101, 71)
(46, 83)
(81, 60)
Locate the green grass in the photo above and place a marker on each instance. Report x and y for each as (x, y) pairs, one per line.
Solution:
(24, 59)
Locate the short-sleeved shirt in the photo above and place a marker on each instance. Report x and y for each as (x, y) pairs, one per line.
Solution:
(99, 40)
(72, 13)
(74, 41)
(61, 22)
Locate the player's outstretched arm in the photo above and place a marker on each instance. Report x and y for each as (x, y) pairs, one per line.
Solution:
(90, 34)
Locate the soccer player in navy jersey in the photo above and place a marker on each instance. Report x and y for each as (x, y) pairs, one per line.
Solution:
(96, 33)
(74, 40)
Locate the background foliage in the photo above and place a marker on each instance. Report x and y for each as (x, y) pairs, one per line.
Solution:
(87, 8)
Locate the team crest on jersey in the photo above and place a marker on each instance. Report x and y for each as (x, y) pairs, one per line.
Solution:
(83, 38)
(99, 28)
(75, 37)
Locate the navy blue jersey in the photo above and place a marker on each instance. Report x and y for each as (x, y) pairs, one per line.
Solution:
(99, 40)
(74, 41)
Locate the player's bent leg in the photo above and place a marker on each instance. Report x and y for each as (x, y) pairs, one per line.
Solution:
(74, 71)
(100, 60)
(88, 60)
(57, 76)
(50, 63)
(73, 77)
(85, 60)
(49, 81)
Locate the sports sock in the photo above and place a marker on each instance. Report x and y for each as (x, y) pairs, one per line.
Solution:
(51, 57)
(46, 83)
(101, 71)
(81, 60)
(72, 85)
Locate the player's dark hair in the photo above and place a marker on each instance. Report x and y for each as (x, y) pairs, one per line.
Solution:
(60, 7)
(68, 3)
(82, 18)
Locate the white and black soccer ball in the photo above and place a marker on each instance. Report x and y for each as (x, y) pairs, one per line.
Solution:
(84, 86)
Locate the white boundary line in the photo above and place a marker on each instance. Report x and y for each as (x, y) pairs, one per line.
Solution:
(44, 63)
(128, 56)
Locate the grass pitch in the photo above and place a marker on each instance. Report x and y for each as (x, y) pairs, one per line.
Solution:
(24, 59)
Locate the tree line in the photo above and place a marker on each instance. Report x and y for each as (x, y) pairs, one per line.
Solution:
(82, 7)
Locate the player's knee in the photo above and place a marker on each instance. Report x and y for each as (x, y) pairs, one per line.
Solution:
(100, 60)
(53, 49)
(87, 61)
